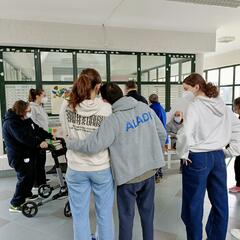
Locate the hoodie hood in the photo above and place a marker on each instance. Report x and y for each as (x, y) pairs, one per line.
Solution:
(11, 115)
(216, 105)
(91, 107)
(124, 104)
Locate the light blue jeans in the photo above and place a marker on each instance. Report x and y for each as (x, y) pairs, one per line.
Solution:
(80, 185)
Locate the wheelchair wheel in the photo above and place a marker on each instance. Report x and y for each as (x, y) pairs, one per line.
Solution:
(67, 210)
(29, 209)
(44, 191)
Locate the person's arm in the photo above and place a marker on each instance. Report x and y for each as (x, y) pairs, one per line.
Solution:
(40, 132)
(160, 129)
(99, 140)
(21, 135)
(63, 119)
(234, 145)
(34, 114)
(185, 134)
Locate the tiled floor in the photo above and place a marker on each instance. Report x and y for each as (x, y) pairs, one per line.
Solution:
(51, 224)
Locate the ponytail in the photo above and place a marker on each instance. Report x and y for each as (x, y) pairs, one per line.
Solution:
(33, 93)
(211, 90)
(83, 86)
(81, 90)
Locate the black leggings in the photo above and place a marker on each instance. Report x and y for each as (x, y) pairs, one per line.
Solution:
(237, 170)
(39, 169)
(25, 178)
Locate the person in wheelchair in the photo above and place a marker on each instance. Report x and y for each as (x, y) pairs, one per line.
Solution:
(22, 137)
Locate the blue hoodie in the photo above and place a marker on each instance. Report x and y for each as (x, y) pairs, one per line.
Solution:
(158, 109)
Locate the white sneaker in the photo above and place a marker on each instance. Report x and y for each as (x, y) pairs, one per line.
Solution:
(235, 233)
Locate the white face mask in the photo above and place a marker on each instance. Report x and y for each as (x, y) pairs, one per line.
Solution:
(177, 119)
(28, 115)
(44, 100)
(188, 95)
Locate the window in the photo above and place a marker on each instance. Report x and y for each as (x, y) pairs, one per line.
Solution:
(18, 66)
(96, 61)
(147, 90)
(226, 76)
(226, 94)
(153, 68)
(237, 75)
(16, 92)
(123, 68)
(57, 66)
(175, 72)
(237, 92)
(212, 76)
(176, 92)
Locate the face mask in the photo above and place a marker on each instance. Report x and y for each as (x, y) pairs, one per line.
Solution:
(177, 119)
(28, 115)
(44, 100)
(188, 95)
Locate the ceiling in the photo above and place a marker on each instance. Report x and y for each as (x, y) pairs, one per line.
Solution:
(142, 14)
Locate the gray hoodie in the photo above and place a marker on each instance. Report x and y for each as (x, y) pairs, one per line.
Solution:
(39, 116)
(134, 135)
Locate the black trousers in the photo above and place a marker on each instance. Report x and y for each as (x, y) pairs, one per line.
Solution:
(237, 170)
(39, 169)
(141, 193)
(25, 179)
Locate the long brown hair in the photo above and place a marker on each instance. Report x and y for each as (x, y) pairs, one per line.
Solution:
(82, 87)
(20, 107)
(209, 89)
(33, 93)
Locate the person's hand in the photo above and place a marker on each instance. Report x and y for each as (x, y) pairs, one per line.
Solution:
(186, 162)
(166, 148)
(44, 144)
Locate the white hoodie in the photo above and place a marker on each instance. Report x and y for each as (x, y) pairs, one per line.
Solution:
(209, 125)
(87, 118)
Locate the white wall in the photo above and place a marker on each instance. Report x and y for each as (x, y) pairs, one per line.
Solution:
(42, 34)
(199, 63)
(220, 60)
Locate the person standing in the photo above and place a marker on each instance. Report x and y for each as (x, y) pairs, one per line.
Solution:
(87, 173)
(135, 137)
(159, 110)
(37, 98)
(131, 91)
(22, 138)
(236, 188)
(208, 127)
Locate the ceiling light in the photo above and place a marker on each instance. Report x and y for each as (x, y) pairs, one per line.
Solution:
(226, 39)
(221, 3)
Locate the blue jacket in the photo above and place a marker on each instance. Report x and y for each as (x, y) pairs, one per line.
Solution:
(21, 138)
(159, 110)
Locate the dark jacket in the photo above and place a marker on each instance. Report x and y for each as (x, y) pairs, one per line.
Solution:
(137, 96)
(21, 137)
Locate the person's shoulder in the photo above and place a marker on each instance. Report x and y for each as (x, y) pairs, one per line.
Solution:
(105, 107)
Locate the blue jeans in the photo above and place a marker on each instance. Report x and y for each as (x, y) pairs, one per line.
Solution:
(141, 193)
(80, 185)
(206, 172)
